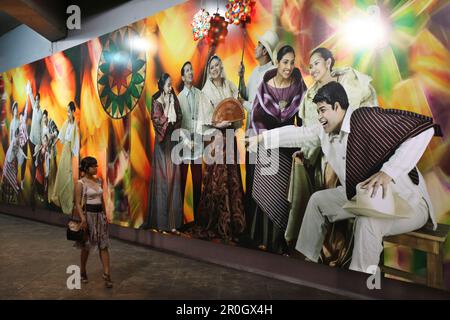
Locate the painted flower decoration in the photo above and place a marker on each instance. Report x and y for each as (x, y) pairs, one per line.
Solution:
(201, 24)
(218, 30)
(239, 11)
(121, 73)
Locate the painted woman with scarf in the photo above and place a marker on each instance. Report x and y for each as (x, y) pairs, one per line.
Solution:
(63, 191)
(360, 93)
(276, 105)
(165, 205)
(221, 208)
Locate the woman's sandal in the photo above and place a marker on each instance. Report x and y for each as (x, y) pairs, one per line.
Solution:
(84, 277)
(108, 282)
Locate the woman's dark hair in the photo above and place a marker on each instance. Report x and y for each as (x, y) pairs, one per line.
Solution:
(283, 51)
(71, 105)
(15, 105)
(38, 96)
(87, 162)
(45, 113)
(161, 82)
(325, 54)
(184, 65)
(331, 93)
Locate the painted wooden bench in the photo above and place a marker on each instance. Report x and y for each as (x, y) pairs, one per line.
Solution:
(429, 241)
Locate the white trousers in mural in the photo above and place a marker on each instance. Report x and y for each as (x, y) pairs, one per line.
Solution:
(369, 232)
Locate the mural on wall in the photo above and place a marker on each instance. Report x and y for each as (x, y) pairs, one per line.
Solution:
(101, 99)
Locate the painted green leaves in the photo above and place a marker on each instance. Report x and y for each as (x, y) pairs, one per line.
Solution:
(121, 73)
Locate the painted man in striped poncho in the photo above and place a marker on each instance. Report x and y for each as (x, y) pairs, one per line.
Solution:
(377, 147)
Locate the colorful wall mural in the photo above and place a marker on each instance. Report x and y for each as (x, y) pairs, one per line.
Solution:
(111, 80)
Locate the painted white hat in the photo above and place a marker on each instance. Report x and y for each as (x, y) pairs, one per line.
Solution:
(269, 40)
(390, 207)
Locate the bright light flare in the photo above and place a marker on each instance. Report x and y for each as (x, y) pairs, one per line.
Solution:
(139, 44)
(366, 30)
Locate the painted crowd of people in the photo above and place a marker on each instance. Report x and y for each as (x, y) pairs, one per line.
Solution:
(286, 119)
(36, 148)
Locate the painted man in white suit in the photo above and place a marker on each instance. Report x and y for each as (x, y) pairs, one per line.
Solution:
(333, 135)
(193, 105)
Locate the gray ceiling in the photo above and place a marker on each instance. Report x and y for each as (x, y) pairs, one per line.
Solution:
(58, 9)
(7, 23)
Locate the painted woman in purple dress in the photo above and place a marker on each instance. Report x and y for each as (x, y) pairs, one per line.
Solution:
(276, 105)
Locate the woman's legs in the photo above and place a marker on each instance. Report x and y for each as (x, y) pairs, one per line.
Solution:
(104, 257)
(84, 258)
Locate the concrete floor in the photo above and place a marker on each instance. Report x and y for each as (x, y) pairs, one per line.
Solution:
(34, 257)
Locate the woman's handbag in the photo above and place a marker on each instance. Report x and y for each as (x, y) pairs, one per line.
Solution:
(74, 231)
